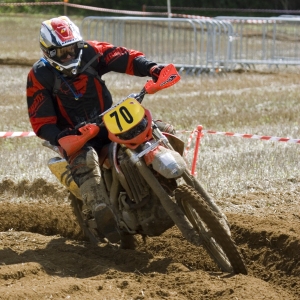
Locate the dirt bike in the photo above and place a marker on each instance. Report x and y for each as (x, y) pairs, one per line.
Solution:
(149, 187)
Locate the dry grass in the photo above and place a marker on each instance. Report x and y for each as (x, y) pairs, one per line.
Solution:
(255, 103)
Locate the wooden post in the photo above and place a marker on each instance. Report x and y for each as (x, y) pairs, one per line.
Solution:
(65, 7)
(169, 8)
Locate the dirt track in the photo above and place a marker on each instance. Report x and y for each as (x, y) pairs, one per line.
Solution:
(43, 255)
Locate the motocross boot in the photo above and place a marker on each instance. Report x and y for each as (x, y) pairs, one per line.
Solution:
(165, 127)
(86, 173)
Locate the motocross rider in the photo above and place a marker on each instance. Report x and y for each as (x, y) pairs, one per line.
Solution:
(64, 88)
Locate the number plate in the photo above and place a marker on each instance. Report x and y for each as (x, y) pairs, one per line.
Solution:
(124, 116)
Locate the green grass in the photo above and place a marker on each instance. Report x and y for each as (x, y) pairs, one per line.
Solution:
(252, 102)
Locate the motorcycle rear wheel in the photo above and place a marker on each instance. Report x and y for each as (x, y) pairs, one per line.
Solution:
(215, 238)
(92, 234)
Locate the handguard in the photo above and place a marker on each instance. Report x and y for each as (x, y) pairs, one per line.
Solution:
(73, 143)
(167, 77)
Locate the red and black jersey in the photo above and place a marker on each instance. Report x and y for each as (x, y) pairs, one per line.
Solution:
(50, 113)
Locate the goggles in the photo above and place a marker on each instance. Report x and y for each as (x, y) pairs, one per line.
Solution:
(68, 52)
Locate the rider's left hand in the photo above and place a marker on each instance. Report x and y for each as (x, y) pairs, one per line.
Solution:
(165, 127)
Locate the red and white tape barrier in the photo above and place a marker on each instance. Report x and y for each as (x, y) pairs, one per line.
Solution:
(255, 136)
(126, 12)
(243, 135)
(200, 133)
(144, 13)
(9, 134)
(218, 9)
(197, 131)
(189, 142)
(31, 3)
(108, 10)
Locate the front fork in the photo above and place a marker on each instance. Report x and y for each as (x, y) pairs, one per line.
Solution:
(172, 208)
(175, 144)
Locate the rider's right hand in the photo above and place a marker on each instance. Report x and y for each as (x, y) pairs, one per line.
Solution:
(63, 133)
(66, 132)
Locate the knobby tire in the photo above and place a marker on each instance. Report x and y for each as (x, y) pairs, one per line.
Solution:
(216, 239)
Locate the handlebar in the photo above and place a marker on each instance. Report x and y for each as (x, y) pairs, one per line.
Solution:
(167, 77)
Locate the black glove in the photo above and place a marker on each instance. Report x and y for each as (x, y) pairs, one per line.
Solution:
(155, 71)
(66, 132)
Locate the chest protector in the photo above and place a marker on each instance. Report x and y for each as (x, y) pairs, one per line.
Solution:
(58, 78)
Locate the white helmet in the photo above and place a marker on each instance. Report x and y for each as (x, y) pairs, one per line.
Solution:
(62, 44)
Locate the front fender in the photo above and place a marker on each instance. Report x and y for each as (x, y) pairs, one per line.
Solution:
(176, 143)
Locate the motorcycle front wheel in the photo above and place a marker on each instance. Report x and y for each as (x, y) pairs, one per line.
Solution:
(216, 240)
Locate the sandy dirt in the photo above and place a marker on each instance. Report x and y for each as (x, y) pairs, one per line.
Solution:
(44, 256)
